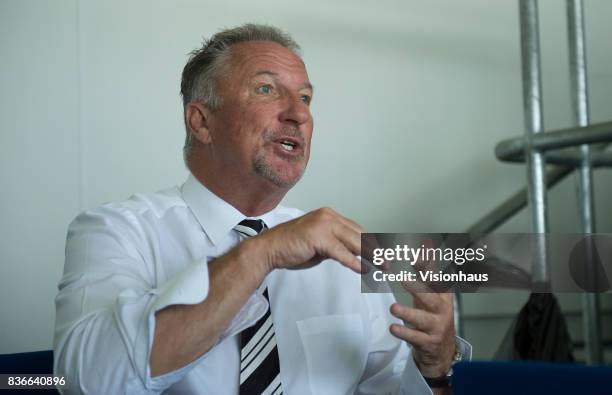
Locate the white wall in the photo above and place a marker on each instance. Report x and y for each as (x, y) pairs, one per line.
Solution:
(410, 99)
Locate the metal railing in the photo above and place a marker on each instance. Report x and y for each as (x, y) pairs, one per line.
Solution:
(536, 147)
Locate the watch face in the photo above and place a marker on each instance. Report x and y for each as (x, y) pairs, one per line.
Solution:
(456, 358)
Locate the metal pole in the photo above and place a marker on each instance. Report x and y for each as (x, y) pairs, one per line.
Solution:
(532, 102)
(580, 102)
(512, 149)
(457, 310)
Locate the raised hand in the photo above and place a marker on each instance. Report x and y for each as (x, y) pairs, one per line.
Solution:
(307, 240)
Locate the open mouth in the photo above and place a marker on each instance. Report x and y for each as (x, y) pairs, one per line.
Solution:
(288, 145)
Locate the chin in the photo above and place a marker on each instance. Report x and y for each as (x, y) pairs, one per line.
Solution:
(280, 173)
(281, 179)
(284, 181)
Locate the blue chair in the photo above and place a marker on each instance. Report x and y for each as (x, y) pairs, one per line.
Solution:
(37, 362)
(530, 378)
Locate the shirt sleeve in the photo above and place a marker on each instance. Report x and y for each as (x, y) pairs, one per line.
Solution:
(105, 308)
(390, 368)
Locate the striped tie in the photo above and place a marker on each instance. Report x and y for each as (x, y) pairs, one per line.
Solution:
(259, 366)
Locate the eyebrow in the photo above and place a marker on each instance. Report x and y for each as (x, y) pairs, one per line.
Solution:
(306, 85)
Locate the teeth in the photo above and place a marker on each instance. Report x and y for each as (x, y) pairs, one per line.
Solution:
(287, 146)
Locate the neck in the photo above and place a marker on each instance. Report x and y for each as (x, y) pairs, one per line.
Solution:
(252, 198)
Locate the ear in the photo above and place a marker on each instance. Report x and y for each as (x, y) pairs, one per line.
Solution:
(197, 118)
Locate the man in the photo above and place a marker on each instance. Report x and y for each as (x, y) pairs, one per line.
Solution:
(174, 292)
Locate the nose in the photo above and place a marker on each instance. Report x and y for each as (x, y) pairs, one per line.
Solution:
(295, 111)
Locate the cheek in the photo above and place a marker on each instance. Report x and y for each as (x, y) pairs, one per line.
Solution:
(255, 119)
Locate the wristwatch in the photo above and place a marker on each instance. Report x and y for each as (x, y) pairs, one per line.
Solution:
(444, 381)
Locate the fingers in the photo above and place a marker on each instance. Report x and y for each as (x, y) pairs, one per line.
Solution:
(436, 302)
(354, 226)
(430, 330)
(416, 287)
(425, 299)
(420, 319)
(345, 229)
(350, 224)
(344, 245)
(432, 337)
(348, 237)
(305, 241)
(339, 252)
(412, 336)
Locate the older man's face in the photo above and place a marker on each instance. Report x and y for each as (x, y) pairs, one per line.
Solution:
(263, 127)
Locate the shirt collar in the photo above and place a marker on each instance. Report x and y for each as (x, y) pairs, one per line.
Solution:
(216, 217)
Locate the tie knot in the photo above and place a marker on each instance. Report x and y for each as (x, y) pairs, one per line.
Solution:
(251, 227)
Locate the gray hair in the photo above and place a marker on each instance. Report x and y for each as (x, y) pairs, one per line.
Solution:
(203, 69)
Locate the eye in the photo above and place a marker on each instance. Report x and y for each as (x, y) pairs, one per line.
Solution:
(265, 89)
(306, 99)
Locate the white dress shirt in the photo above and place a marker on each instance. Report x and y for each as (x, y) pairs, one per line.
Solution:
(127, 260)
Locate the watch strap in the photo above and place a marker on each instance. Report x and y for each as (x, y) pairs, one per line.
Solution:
(445, 380)
(438, 382)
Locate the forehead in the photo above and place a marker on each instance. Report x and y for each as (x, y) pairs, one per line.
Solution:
(251, 58)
